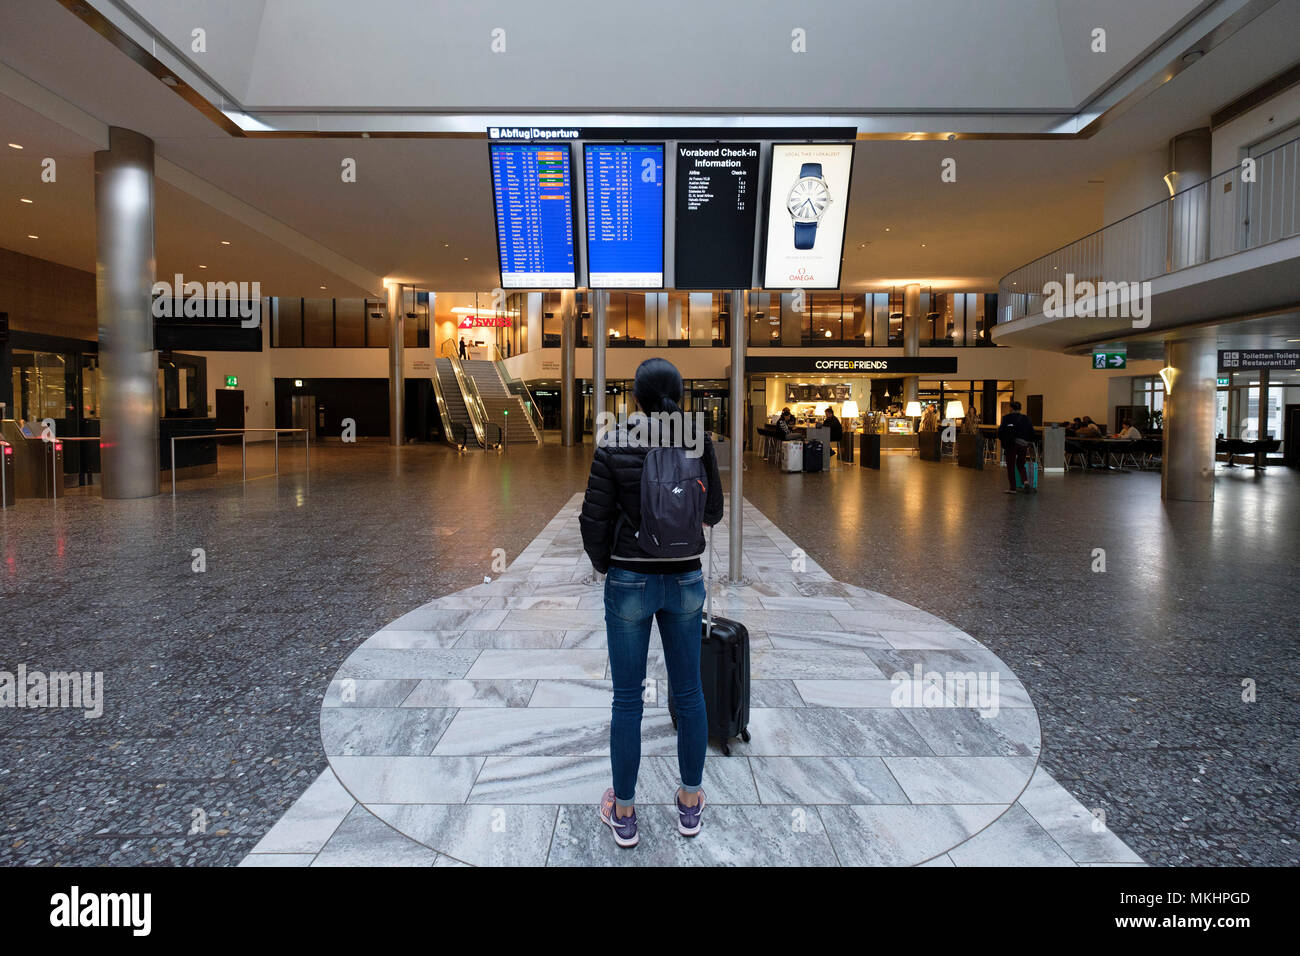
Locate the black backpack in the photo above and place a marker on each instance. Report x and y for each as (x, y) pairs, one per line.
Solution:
(673, 490)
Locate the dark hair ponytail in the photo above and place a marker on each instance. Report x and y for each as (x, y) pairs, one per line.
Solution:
(658, 386)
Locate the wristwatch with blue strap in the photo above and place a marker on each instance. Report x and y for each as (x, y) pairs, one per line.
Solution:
(807, 203)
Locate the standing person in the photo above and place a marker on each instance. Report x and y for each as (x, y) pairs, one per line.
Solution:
(640, 586)
(836, 427)
(462, 350)
(1016, 434)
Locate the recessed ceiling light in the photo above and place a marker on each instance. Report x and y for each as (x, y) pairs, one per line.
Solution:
(30, 236)
(467, 258)
(202, 267)
(923, 245)
(225, 242)
(322, 287)
(25, 200)
(886, 229)
(14, 146)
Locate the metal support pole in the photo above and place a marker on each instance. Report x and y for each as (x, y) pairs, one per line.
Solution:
(738, 399)
(396, 370)
(1188, 460)
(599, 341)
(243, 453)
(306, 434)
(173, 466)
(277, 452)
(568, 367)
(911, 337)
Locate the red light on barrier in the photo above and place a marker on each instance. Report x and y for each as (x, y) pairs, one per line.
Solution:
(8, 450)
(58, 446)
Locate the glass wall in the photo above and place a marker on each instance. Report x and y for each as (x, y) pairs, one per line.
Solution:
(343, 323)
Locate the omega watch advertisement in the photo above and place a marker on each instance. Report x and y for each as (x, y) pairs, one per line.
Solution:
(807, 201)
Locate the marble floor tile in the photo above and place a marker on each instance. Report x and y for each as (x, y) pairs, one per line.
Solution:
(893, 835)
(884, 619)
(540, 664)
(851, 693)
(428, 640)
(387, 731)
(389, 663)
(810, 640)
(312, 819)
(348, 692)
(553, 619)
(815, 731)
(774, 693)
(541, 780)
(278, 859)
(962, 779)
(449, 619)
(471, 693)
(959, 731)
(824, 664)
(477, 834)
(408, 779)
(573, 693)
(1014, 839)
(511, 640)
(1071, 825)
(818, 780)
(735, 835)
(363, 840)
(547, 731)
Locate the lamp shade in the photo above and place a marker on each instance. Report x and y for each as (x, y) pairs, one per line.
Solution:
(849, 409)
(913, 410)
(955, 410)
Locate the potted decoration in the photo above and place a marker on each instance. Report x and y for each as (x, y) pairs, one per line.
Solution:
(873, 423)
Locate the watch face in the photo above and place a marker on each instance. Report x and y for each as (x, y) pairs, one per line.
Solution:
(808, 199)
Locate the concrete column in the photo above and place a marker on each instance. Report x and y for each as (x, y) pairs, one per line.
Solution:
(568, 367)
(534, 319)
(599, 342)
(396, 369)
(911, 337)
(124, 267)
(738, 401)
(1188, 471)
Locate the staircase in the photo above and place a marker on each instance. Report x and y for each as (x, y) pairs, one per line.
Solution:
(453, 398)
(497, 399)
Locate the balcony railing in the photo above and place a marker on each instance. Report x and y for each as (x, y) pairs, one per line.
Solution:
(1238, 209)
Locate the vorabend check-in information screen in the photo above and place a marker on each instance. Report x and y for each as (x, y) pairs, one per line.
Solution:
(625, 215)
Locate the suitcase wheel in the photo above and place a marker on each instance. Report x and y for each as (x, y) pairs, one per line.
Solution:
(726, 749)
(674, 723)
(744, 735)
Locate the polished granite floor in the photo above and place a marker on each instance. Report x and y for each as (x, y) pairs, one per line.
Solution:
(477, 727)
(215, 681)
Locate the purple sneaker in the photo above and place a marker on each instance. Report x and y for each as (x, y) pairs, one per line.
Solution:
(624, 828)
(689, 818)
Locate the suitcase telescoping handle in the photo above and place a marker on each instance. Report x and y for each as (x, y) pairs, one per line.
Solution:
(708, 587)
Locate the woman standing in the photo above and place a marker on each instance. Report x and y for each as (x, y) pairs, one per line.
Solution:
(639, 585)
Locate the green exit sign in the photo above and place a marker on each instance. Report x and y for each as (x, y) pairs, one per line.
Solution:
(1225, 380)
(232, 381)
(1109, 359)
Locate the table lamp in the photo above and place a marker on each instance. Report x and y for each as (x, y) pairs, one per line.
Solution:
(913, 410)
(849, 411)
(954, 410)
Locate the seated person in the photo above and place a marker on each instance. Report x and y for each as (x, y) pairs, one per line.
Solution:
(1087, 429)
(1128, 432)
(836, 427)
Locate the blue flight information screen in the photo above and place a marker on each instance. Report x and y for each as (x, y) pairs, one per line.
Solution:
(532, 187)
(625, 215)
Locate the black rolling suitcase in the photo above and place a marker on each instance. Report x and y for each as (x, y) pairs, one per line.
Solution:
(813, 453)
(724, 672)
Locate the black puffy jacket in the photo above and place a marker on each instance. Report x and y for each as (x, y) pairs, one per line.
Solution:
(614, 488)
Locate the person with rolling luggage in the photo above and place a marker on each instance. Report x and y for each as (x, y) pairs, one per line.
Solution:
(643, 518)
(1017, 436)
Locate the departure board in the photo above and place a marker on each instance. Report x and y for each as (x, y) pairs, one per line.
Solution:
(625, 215)
(532, 188)
(717, 199)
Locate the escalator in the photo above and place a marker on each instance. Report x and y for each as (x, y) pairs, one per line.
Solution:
(456, 421)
